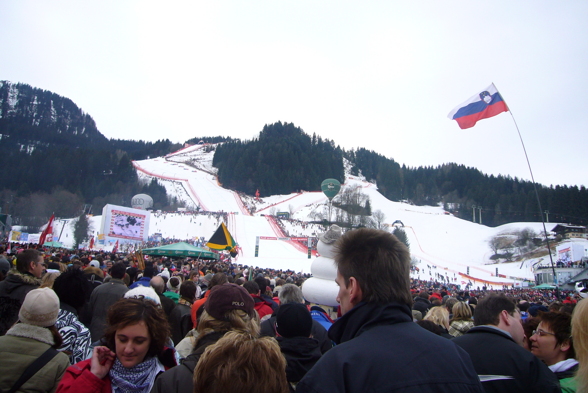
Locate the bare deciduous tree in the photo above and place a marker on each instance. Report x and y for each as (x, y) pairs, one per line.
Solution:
(379, 218)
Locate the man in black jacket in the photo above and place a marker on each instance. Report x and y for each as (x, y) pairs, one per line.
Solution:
(180, 318)
(379, 347)
(495, 347)
(422, 303)
(20, 281)
(290, 294)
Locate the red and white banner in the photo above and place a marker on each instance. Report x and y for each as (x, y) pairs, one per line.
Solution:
(47, 235)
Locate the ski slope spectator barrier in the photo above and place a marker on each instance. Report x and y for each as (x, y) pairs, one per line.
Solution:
(191, 190)
(280, 234)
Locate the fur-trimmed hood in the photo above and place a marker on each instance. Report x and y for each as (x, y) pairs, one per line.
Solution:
(38, 333)
(15, 279)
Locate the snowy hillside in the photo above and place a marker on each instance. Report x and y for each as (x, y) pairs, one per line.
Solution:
(444, 244)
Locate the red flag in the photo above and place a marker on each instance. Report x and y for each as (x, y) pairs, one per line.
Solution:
(91, 243)
(47, 234)
(115, 248)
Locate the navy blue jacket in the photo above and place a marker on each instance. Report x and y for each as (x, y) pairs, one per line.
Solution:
(504, 365)
(382, 350)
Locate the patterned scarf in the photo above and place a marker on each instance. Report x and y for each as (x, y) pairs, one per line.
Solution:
(135, 379)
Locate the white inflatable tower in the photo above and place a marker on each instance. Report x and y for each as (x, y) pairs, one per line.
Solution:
(321, 288)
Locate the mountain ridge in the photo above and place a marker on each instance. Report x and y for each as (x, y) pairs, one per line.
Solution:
(48, 143)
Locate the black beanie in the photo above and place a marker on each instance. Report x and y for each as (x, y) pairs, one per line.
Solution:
(149, 271)
(293, 320)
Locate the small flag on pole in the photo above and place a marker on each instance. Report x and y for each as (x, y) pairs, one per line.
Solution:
(484, 105)
(115, 248)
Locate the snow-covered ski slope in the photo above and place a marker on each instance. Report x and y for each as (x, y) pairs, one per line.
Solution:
(448, 245)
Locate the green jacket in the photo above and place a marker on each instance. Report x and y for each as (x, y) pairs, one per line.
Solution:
(21, 345)
(568, 385)
(566, 377)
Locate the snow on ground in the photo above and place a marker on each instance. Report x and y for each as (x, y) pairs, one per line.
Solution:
(444, 243)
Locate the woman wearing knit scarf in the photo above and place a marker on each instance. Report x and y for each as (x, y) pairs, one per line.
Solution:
(133, 356)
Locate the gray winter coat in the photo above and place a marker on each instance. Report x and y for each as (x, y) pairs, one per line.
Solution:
(103, 296)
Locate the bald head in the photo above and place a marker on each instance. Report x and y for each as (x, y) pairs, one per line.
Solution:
(158, 284)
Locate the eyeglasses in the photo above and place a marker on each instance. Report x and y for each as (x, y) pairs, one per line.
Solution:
(542, 333)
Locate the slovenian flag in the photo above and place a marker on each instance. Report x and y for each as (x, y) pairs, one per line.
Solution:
(487, 104)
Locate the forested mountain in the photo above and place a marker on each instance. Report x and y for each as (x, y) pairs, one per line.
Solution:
(282, 160)
(54, 159)
(499, 199)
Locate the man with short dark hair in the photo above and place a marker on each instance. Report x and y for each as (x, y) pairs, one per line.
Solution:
(104, 296)
(19, 281)
(262, 307)
(148, 274)
(180, 318)
(495, 347)
(263, 283)
(379, 347)
(422, 303)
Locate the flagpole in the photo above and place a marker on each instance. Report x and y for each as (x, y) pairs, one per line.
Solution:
(537, 195)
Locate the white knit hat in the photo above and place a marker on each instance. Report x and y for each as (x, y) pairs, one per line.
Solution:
(164, 273)
(40, 308)
(143, 292)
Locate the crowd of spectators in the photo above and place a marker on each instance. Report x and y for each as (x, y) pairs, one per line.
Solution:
(188, 325)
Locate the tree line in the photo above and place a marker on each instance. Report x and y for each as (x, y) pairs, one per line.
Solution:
(465, 191)
(282, 160)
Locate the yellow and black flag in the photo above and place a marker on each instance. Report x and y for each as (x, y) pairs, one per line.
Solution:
(222, 240)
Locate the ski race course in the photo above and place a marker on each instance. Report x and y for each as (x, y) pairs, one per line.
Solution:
(445, 245)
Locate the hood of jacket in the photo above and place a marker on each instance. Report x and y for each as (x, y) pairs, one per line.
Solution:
(365, 316)
(301, 353)
(16, 279)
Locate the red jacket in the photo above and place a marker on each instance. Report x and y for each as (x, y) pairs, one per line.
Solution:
(262, 307)
(436, 295)
(196, 306)
(79, 378)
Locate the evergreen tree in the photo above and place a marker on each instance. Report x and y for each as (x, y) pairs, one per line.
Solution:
(81, 230)
(401, 235)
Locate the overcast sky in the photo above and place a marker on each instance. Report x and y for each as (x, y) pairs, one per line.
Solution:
(381, 74)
